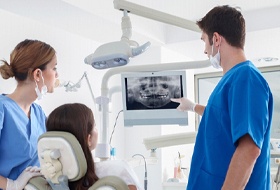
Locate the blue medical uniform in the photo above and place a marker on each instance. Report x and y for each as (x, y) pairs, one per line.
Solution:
(18, 137)
(240, 104)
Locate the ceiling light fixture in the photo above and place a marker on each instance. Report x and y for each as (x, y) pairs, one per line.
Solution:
(117, 53)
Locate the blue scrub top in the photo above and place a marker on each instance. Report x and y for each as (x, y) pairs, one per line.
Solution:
(240, 104)
(18, 137)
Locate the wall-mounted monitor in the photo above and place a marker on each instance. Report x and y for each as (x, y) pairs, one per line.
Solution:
(146, 98)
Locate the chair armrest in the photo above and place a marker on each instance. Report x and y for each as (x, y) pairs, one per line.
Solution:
(37, 183)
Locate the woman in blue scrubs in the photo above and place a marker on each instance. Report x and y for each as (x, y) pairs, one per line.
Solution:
(33, 64)
(232, 148)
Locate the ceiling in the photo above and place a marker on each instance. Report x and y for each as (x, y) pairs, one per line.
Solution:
(98, 20)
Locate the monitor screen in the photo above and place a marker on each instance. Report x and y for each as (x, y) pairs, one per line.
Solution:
(146, 98)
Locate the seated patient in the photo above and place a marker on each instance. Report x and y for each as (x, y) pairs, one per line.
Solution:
(78, 119)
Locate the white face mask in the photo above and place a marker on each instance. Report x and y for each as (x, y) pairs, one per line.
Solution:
(216, 59)
(44, 89)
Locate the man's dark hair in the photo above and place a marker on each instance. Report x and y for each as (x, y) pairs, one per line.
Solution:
(226, 21)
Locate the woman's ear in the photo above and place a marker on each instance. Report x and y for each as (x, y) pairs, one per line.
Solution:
(36, 74)
(89, 141)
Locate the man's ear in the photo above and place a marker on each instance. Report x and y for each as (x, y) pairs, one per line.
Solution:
(217, 38)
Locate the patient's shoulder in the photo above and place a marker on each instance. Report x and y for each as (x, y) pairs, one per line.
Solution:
(110, 167)
(118, 168)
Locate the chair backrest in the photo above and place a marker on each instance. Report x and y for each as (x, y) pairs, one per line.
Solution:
(63, 151)
(62, 159)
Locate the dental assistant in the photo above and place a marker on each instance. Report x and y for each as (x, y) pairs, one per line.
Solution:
(22, 121)
(232, 148)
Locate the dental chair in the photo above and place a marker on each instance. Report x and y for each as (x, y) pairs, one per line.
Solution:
(62, 160)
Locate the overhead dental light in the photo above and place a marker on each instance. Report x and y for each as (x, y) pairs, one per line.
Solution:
(117, 53)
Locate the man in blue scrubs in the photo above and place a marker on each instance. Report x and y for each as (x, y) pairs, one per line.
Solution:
(232, 148)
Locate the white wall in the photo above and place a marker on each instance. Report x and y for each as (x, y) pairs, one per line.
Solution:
(263, 43)
(71, 50)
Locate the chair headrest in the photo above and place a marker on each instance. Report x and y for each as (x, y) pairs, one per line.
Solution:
(63, 151)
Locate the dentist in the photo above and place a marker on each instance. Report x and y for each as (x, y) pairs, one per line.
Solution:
(33, 64)
(232, 148)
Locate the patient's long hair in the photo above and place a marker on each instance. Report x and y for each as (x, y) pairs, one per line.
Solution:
(77, 119)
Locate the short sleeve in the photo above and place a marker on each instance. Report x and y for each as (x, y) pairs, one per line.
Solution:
(1, 118)
(248, 106)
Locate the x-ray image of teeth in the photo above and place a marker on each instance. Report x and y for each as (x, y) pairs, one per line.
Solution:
(153, 92)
